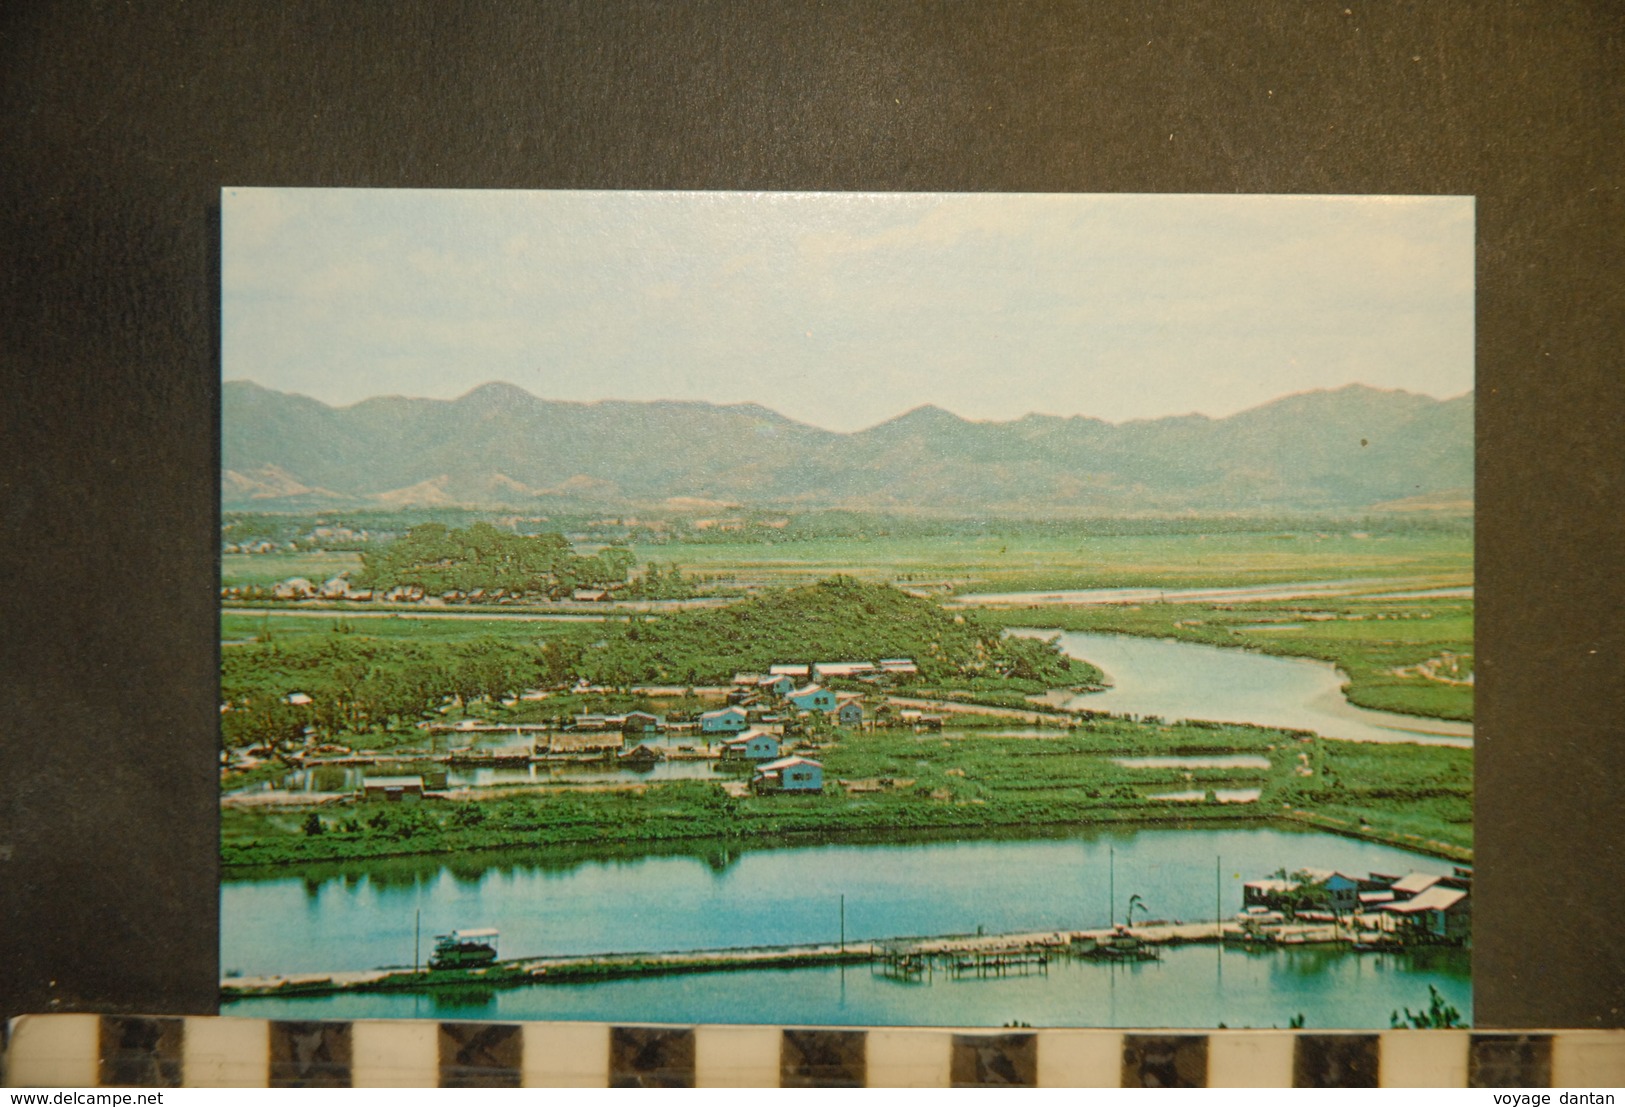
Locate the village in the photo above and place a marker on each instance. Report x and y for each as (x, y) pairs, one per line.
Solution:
(756, 741)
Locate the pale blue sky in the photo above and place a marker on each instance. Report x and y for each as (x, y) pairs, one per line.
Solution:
(844, 310)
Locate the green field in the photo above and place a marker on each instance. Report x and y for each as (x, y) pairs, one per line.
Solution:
(1039, 562)
(303, 625)
(239, 570)
(1017, 561)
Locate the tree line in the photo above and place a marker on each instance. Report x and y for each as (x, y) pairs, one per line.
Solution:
(356, 684)
(438, 558)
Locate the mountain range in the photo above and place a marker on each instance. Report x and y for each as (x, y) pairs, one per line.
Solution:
(1350, 449)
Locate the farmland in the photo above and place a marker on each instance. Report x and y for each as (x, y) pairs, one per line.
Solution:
(1017, 558)
(1010, 556)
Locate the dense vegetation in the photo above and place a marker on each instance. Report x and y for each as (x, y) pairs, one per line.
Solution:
(357, 683)
(437, 558)
(835, 620)
(376, 674)
(1426, 791)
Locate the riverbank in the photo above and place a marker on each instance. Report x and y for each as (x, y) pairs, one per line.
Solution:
(1385, 646)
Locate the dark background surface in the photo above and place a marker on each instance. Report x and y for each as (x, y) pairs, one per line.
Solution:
(120, 122)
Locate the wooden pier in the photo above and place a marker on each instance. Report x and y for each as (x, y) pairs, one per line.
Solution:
(905, 960)
(1017, 963)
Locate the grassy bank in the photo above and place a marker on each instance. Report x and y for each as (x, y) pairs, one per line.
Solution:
(1384, 646)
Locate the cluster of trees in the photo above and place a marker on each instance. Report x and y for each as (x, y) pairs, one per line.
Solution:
(357, 684)
(841, 619)
(655, 584)
(438, 558)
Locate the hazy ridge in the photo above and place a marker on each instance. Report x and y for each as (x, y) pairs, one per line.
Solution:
(1354, 448)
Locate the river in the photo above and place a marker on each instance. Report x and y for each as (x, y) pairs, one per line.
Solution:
(1187, 680)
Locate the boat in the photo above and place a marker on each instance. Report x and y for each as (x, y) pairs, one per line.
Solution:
(464, 949)
(1121, 945)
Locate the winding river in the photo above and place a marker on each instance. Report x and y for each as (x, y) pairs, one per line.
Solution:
(1187, 680)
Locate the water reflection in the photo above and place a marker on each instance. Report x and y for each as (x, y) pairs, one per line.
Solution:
(1192, 986)
(702, 895)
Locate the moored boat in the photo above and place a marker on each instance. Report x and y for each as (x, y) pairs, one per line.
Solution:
(464, 949)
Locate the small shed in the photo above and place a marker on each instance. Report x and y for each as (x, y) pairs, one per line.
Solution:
(1342, 890)
(641, 722)
(850, 713)
(1267, 894)
(1444, 914)
(640, 756)
(813, 697)
(789, 774)
(779, 684)
(583, 743)
(1413, 884)
(751, 745)
(826, 670)
(726, 720)
(394, 789)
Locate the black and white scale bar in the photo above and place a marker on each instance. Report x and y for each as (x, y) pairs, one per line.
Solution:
(124, 1051)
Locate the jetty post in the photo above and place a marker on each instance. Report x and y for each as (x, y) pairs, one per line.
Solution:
(417, 932)
(1111, 884)
(843, 922)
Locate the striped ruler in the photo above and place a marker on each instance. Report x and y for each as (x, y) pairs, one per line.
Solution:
(95, 1050)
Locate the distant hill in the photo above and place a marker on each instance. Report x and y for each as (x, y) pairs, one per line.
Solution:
(1348, 449)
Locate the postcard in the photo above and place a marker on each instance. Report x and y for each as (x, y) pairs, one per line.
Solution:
(847, 609)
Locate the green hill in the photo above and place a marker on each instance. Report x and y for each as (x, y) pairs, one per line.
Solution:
(835, 620)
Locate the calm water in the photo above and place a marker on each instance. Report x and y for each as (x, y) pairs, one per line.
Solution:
(543, 904)
(1192, 986)
(355, 920)
(1186, 680)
